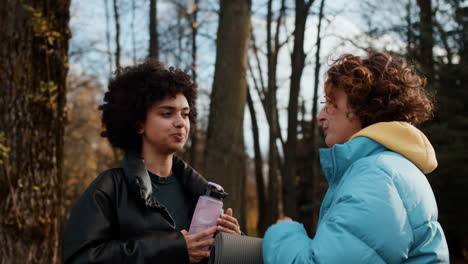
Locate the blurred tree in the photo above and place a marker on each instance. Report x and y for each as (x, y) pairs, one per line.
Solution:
(448, 130)
(176, 34)
(153, 30)
(108, 45)
(267, 94)
(117, 34)
(132, 27)
(86, 153)
(181, 10)
(251, 206)
(271, 110)
(426, 38)
(224, 153)
(297, 66)
(117, 153)
(193, 137)
(258, 168)
(308, 204)
(410, 30)
(33, 52)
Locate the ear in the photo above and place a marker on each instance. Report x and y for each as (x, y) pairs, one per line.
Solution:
(139, 128)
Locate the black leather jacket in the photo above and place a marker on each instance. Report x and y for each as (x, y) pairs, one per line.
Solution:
(118, 220)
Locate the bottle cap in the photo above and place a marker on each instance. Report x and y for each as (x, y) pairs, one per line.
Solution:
(216, 191)
(218, 187)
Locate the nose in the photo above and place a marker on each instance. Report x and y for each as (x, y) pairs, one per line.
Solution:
(179, 121)
(321, 116)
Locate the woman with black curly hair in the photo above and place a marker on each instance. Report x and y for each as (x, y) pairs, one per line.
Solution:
(379, 207)
(140, 213)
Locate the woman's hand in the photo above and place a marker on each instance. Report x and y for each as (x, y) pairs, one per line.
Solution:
(228, 224)
(195, 246)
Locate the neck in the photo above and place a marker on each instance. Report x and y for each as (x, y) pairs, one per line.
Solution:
(157, 163)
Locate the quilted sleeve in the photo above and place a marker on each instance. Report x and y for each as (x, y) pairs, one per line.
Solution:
(365, 223)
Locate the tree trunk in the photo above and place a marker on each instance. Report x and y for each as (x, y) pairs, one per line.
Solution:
(308, 211)
(261, 224)
(193, 148)
(180, 32)
(153, 30)
(410, 38)
(132, 26)
(33, 52)
(297, 66)
(109, 53)
(115, 151)
(117, 35)
(426, 39)
(224, 153)
(462, 17)
(271, 112)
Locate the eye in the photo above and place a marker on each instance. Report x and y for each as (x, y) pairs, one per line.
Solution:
(166, 114)
(185, 115)
(325, 100)
(328, 102)
(328, 107)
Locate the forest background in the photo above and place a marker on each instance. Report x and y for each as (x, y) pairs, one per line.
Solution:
(259, 66)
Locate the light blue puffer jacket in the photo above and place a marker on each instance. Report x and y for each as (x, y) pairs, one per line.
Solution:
(379, 207)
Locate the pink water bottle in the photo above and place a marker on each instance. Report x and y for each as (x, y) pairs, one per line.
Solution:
(209, 208)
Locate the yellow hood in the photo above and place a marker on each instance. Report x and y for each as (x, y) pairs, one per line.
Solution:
(405, 139)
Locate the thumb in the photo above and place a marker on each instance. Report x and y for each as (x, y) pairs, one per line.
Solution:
(184, 232)
(229, 211)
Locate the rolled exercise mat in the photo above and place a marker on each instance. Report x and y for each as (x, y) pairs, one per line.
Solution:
(235, 249)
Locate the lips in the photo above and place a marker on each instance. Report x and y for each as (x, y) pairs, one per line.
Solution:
(324, 129)
(178, 136)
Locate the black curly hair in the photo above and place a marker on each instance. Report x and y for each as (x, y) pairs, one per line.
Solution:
(131, 94)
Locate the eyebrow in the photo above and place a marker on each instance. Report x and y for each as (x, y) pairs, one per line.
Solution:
(168, 107)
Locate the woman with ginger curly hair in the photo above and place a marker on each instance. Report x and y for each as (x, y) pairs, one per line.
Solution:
(379, 207)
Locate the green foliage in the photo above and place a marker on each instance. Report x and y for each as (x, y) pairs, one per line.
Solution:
(47, 94)
(43, 28)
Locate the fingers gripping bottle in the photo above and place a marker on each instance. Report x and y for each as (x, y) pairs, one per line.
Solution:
(209, 208)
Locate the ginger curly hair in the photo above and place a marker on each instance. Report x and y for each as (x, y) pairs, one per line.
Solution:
(131, 94)
(380, 88)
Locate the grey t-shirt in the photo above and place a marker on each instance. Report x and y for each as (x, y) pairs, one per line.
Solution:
(169, 191)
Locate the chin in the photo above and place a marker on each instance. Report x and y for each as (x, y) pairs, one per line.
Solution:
(176, 148)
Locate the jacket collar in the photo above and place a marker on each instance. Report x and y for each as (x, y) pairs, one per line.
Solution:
(405, 139)
(336, 160)
(137, 177)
